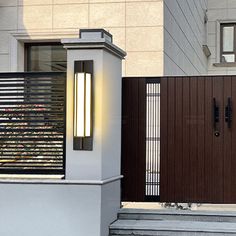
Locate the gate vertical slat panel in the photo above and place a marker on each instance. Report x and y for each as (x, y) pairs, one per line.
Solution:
(134, 125)
(186, 137)
(217, 189)
(164, 141)
(141, 139)
(233, 142)
(171, 138)
(208, 173)
(133, 138)
(200, 138)
(178, 163)
(193, 138)
(227, 144)
(128, 130)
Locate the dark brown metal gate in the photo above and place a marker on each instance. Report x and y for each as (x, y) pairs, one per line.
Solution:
(198, 135)
(141, 139)
(133, 139)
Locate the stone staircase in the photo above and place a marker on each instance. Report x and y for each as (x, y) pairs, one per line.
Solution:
(147, 222)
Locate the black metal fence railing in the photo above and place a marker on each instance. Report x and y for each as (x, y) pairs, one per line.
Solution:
(152, 191)
(32, 123)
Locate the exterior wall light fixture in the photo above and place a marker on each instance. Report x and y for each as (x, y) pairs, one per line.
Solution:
(83, 77)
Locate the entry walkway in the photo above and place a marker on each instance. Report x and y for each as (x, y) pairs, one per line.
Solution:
(194, 207)
(153, 219)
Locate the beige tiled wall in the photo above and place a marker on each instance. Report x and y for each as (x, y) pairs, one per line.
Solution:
(31, 17)
(70, 16)
(136, 25)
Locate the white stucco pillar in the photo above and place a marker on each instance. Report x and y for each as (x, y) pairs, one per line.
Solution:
(102, 164)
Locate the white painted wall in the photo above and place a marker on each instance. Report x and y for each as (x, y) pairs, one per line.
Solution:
(219, 12)
(110, 204)
(184, 35)
(50, 209)
(58, 208)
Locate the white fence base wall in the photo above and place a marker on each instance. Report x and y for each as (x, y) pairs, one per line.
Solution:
(57, 208)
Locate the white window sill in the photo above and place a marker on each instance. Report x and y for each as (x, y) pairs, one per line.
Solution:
(225, 64)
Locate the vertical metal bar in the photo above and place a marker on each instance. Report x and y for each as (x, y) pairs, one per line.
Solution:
(150, 136)
(159, 126)
(156, 170)
(64, 124)
(147, 123)
(153, 132)
(158, 136)
(147, 144)
(148, 140)
(149, 147)
(154, 142)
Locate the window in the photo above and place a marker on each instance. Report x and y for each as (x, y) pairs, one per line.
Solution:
(228, 43)
(45, 57)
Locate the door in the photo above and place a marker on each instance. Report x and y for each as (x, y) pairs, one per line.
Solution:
(198, 139)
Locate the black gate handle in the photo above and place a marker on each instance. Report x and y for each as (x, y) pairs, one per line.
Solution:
(228, 113)
(216, 113)
(216, 117)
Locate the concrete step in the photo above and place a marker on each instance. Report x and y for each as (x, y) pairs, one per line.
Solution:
(180, 215)
(170, 228)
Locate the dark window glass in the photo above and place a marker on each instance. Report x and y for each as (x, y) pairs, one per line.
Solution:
(45, 57)
(228, 47)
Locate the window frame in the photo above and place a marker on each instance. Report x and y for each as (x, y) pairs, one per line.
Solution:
(222, 25)
(27, 45)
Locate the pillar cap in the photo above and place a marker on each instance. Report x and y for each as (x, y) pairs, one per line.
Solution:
(95, 33)
(94, 39)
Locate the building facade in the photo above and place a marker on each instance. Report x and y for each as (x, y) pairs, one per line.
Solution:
(160, 37)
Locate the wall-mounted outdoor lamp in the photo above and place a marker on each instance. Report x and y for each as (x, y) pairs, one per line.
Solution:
(83, 75)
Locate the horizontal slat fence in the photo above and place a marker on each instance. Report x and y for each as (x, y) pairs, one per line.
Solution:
(32, 123)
